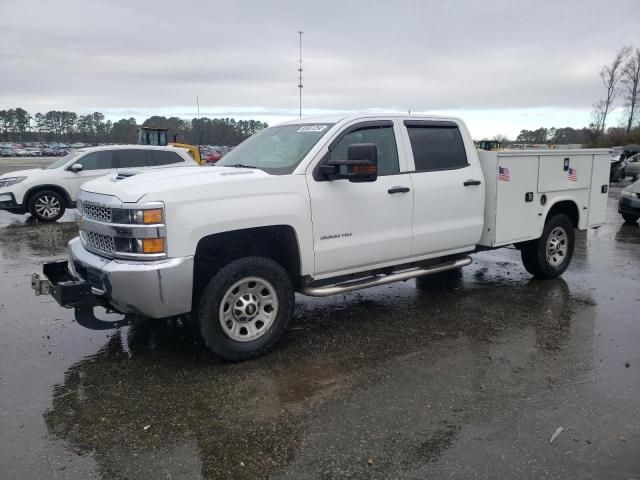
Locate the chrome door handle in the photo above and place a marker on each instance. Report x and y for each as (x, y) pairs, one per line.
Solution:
(393, 190)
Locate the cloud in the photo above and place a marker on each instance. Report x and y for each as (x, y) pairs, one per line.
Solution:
(420, 55)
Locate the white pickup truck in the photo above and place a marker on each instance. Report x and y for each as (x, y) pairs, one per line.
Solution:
(318, 206)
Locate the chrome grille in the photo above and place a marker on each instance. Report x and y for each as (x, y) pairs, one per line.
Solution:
(96, 212)
(98, 241)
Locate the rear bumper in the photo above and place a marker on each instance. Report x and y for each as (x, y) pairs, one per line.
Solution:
(8, 203)
(155, 289)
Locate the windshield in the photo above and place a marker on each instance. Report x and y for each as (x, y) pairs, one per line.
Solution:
(276, 150)
(61, 161)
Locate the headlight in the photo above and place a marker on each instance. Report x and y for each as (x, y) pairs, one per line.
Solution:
(630, 194)
(138, 216)
(8, 181)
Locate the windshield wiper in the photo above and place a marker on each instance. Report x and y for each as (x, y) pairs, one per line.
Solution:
(241, 165)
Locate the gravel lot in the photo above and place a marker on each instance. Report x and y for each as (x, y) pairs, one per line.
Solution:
(467, 380)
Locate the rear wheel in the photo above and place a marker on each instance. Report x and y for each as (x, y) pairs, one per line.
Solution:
(630, 218)
(47, 205)
(550, 255)
(246, 308)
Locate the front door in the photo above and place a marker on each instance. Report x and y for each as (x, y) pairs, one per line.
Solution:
(94, 165)
(359, 225)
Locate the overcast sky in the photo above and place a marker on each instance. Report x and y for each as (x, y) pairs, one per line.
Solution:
(502, 65)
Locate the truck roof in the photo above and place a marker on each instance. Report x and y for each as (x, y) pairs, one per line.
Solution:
(335, 118)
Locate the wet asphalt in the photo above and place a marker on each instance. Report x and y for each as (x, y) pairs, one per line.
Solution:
(468, 378)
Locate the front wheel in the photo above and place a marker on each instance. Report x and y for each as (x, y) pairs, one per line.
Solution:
(550, 255)
(246, 308)
(47, 205)
(629, 218)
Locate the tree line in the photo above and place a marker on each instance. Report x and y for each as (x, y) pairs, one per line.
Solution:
(18, 125)
(556, 136)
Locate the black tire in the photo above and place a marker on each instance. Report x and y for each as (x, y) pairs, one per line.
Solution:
(534, 253)
(39, 200)
(629, 218)
(215, 337)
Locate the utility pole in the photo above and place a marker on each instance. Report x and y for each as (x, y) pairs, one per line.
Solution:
(199, 126)
(300, 32)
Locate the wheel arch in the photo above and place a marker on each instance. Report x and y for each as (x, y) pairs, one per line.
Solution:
(565, 207)
(56, 188)
(277, 242)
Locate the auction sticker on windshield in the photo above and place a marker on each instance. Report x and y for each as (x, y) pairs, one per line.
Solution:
(311, 128)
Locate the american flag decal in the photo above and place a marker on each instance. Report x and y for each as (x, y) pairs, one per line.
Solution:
(503, 174)
(573, 175)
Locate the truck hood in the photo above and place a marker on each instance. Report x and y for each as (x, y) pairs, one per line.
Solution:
(133, 188)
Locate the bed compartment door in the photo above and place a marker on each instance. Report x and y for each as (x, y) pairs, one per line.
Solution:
(517, 199)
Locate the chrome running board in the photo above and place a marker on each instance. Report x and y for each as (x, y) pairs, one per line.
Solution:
(377, 280)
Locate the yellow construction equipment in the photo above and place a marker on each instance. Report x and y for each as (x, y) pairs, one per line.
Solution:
(158, 137)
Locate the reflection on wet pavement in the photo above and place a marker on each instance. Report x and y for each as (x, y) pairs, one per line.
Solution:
(258, 413)
(466, 378)
(32, 238)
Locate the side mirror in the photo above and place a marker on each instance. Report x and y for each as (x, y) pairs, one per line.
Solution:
(361, 164)
(76, 167)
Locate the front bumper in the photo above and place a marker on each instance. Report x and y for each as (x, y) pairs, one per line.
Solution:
(629, 206)
(155, 289)
(8, 202)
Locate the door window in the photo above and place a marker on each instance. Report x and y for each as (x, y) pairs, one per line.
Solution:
(384, 139)
(132, 158)
(437, 147)
(164, 157)
(97, 160)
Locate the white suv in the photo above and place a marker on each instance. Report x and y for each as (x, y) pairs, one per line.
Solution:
(47, 192)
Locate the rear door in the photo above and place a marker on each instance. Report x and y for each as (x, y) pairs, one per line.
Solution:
(448, 212)
(94, 165)
(358, 225)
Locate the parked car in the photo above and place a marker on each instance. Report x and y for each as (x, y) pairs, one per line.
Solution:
(618, 165)
(47, 192)
(629, 203)
(616, 170)
(6, 151)
(632, 167)
(320, 206)
(33, 152)
(49, 152)
(212, 157)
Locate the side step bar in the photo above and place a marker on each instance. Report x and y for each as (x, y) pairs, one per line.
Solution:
(384, 279)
